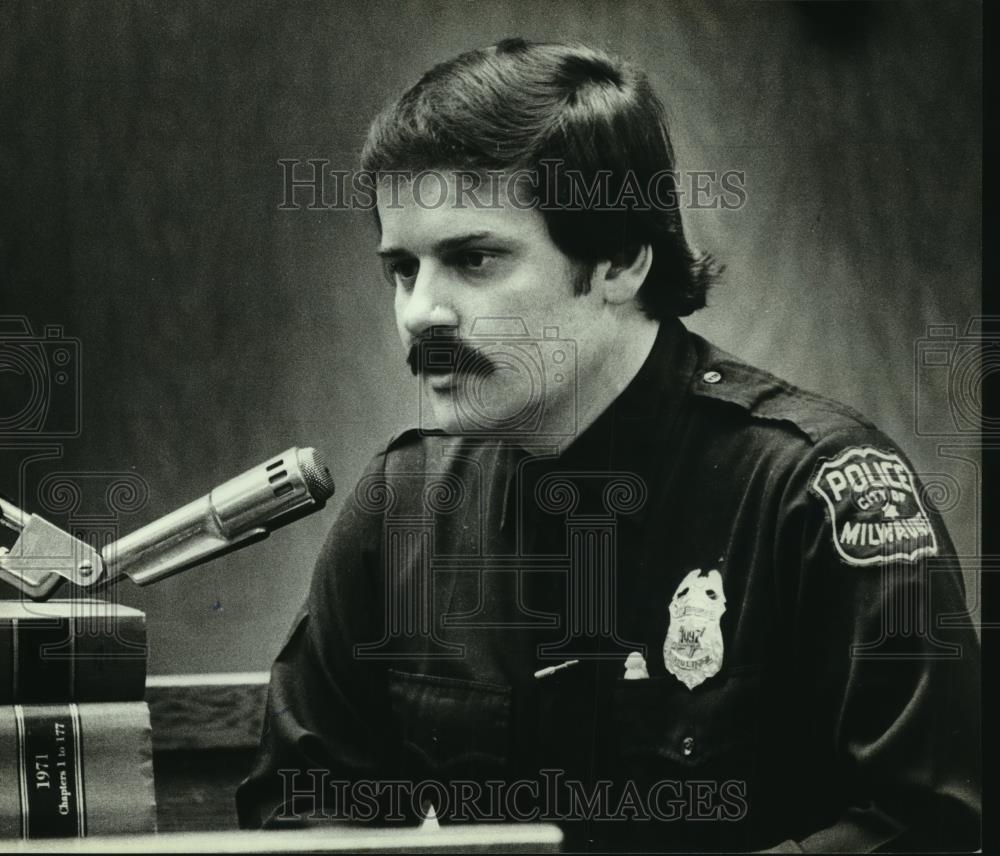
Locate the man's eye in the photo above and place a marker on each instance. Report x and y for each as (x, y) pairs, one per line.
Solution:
(476, 260)
(401, 271)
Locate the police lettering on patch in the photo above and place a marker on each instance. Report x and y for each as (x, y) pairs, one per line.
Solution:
(692, 651)
(874, 507)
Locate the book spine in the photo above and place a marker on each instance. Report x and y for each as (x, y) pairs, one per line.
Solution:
(72, 658)
(74, 770)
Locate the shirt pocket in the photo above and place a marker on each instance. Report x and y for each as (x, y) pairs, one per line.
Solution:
(454, 727)
(659, 724)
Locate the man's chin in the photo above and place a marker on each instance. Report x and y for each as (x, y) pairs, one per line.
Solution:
(439, 401)
(449, 414)
(458, 408)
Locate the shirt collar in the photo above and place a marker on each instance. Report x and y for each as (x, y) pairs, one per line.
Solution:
(632, 435)
(627, 435)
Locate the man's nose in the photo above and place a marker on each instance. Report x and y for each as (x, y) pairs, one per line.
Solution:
(428, 303)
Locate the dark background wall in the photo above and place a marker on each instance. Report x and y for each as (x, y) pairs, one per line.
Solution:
(139, 180)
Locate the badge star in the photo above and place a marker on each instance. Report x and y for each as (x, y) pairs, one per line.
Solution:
(890, 512)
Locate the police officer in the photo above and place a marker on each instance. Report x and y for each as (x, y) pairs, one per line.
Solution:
(629, 583)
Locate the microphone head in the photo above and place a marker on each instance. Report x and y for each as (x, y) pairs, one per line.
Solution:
(317, 477)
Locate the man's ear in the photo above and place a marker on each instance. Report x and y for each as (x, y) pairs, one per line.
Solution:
(618, 280)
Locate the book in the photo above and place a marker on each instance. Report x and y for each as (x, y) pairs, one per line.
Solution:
(72, 770)
(84, 650)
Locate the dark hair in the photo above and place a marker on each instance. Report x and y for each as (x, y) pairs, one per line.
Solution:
(527, 106)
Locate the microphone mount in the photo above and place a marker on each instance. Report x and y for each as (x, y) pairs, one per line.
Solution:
(43, 555)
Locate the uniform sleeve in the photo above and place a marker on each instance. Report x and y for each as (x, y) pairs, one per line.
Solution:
(880, 611)
(325, 720)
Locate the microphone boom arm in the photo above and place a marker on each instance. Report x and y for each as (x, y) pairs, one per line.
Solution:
(239, 512)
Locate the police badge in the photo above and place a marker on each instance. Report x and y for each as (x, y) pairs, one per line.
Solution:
(692, 650)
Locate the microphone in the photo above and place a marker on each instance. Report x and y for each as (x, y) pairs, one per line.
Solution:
(236, 513)
(241, 511)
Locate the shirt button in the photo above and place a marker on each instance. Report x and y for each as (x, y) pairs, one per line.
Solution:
(711, 377)
(688, 745)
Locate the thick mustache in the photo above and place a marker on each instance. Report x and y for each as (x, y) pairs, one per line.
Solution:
(438, 353)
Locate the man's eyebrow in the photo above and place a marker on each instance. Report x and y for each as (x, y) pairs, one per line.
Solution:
(445, 245)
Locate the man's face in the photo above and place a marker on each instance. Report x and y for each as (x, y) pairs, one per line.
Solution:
(520, 343)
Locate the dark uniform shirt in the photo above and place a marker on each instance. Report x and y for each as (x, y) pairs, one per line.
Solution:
(809, 681)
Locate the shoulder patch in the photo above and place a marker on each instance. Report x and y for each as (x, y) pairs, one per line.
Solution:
(874, 506)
